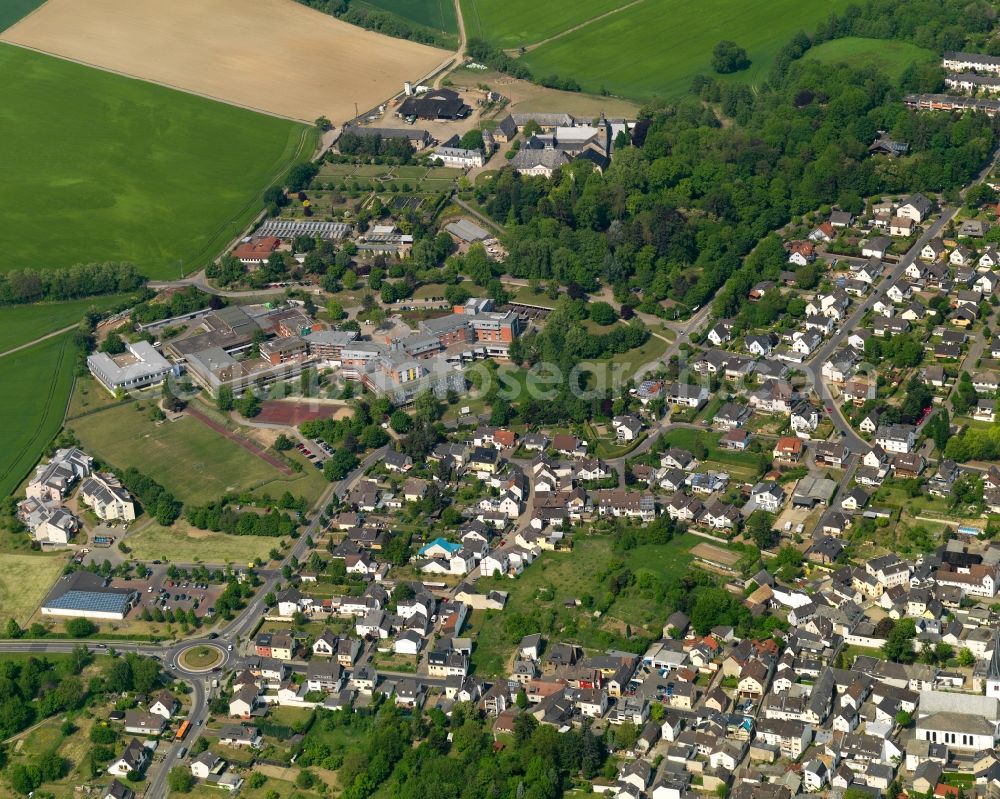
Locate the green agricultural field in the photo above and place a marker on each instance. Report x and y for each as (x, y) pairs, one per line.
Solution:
(519, 23)
(892, 57)
(140, 173)
(36, 386)
(437, 14)
(13, 10)
(187, 457)
(635, 54)
(20, 324)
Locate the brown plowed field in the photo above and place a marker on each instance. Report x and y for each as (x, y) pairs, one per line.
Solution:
(275, 56)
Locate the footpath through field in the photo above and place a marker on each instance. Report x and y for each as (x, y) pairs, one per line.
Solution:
(528, 48)
(37, 340)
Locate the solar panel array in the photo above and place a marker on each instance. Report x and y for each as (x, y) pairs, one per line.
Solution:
(97, 601)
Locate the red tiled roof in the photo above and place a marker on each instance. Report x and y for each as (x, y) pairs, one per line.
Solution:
(256, 248)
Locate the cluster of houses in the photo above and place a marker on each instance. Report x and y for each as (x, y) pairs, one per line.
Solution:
(799, 715)
(151, 724)
(550, 139)
(44, 510)
(773, 717)
(336, 672)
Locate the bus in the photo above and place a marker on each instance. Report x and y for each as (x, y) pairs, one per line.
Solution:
(185, 726)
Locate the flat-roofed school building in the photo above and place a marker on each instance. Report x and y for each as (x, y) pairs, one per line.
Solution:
(141, 366)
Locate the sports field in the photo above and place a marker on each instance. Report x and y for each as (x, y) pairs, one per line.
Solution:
(20, 324)
(188, 458)
(12, 10)
(655, 47)
(437, 14)
(519, 23)
(36, 384)
(271, 55)
(891, 57)
(98, 167)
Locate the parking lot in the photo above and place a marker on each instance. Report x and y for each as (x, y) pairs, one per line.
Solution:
(317, 452)
(160, 591)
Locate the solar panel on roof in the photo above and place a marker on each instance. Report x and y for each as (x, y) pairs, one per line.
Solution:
(97, 601)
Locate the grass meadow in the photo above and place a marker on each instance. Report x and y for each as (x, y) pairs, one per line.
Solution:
(556, 577)
(25, 580)
(655, 47)
(891, 57)
(182, 543)
(100, 167)
(187, 457)
(36, 386)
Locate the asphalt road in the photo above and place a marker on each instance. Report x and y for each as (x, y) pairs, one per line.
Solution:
(814, 366)
(226, 636)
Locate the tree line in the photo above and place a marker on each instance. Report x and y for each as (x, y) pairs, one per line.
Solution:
(221, 517)
(21, 286)
(155, 499)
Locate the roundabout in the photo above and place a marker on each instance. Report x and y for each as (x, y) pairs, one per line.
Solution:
(200, 658)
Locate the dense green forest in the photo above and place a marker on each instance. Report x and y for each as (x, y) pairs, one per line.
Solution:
(537, 762)
(675, 218)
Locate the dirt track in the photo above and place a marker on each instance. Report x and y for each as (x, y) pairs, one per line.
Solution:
(249, 446)
(270, 55)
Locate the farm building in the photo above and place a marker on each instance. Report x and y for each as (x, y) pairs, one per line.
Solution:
(436, 104)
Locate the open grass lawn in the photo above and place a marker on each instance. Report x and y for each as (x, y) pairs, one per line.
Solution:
(25, 580)
(283, 787)
(851, 652)
(182, 543)
(308, 483)
(437, 14)
(23, 323)
(89, 395)
(634, 54)
(100, 167)
(559, 576)
(529, 296)
(621, 367)
(742, 465)
(13, 10)
(386, 180)
(289, 716)
(187, 457)
(36, 386)
(72, 749)
(896, 497)
(892, 57)
(518, 23)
